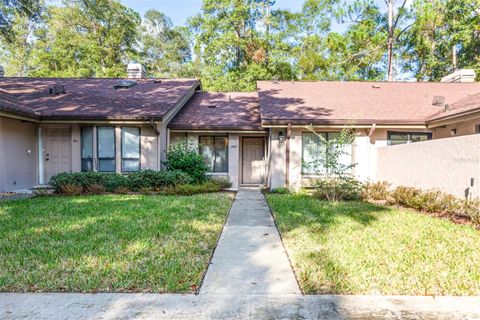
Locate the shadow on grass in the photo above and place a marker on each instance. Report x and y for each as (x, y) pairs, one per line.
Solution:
(302, 210)
(108, 243)
(303, 216)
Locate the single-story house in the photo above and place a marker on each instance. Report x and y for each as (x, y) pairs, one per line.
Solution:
(48, 126)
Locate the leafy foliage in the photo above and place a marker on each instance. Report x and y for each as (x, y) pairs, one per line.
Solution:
(231, 44)
(112, 182)
(185, 158)
(338, 189)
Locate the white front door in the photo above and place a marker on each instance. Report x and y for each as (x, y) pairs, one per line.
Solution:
(253, 160)
(58, 151)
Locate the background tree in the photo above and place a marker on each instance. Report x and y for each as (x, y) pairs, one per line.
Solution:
(87, 38)
(231, 44)
(164, 48)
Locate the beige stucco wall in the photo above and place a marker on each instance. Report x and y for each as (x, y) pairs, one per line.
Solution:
(364, 155)
(149, 151)
(463, 128)
(17, 154)
(448, 164)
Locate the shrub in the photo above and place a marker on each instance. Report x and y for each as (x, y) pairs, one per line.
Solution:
(281, 190)
(95, 189)
(84, 179)
(156, 180)
(191, 189)
(113, 181)
(223, 182)
(185, 158)
(406, 196)
(71, 189)
(121, 190)
(377, 190)
(471, 208)
(338, 188)
(146, 190)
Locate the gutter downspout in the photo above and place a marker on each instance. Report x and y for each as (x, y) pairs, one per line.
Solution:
(269, 158)
(287, 150)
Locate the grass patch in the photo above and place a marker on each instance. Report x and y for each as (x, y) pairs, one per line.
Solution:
(361, 248)
(109, 243)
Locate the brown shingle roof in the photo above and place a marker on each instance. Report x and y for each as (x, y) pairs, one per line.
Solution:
(335, 102)
(10, 104)
(231, 111)
(459, 108)
(96, 98)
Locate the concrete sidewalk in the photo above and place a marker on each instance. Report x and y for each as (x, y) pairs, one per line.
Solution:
(250, 257)
(109, 306)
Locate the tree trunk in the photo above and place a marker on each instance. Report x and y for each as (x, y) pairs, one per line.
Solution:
(390, 40)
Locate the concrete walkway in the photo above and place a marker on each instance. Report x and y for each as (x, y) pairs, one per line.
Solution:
(109, 306)
(250, 257)
(250, 278)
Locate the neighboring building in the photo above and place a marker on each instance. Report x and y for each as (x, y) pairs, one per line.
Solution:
(49, 126)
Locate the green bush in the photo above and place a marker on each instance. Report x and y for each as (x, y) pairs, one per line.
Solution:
(338, 188)
(71, 189)
(377, 190)
(155, 180)
(471, 208)
(185, 158)
(84, 179)
(222, 181)
(191, 189)
(111, 182)
(280, 190)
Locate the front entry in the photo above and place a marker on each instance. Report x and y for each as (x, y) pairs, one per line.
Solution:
(253, 160)
(58, 151)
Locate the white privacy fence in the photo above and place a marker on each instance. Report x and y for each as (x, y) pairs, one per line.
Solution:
(450, 164)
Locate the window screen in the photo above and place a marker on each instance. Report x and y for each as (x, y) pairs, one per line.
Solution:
(130, 149)
(87, 148)
(214, 150)
(395, 138)
(315, 153)
(106, 149)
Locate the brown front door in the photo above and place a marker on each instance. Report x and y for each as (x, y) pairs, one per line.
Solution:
(253, 160)
(58, 151)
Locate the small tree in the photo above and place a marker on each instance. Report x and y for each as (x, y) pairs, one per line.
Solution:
(336, 182)
(184, 157)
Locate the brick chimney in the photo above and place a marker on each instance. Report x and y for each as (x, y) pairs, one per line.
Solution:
(136, 71)
(462, 75)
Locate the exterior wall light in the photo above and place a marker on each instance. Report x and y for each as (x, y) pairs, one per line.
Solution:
(281, 137)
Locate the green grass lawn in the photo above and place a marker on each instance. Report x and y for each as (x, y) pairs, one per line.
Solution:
(110, 243)
(361, 248)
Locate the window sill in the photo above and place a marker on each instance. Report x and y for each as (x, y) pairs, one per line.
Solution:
(217, 173)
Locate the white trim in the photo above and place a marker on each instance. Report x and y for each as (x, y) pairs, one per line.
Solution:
(261, 132)
(41, 158)
(419, 126)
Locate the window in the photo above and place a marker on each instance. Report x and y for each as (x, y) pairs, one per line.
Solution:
(314, 152)
(130, 149)
(178, 137)
(477, 128)
(214, 150)
(87, 148)
(106, 149)
(395, 138)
